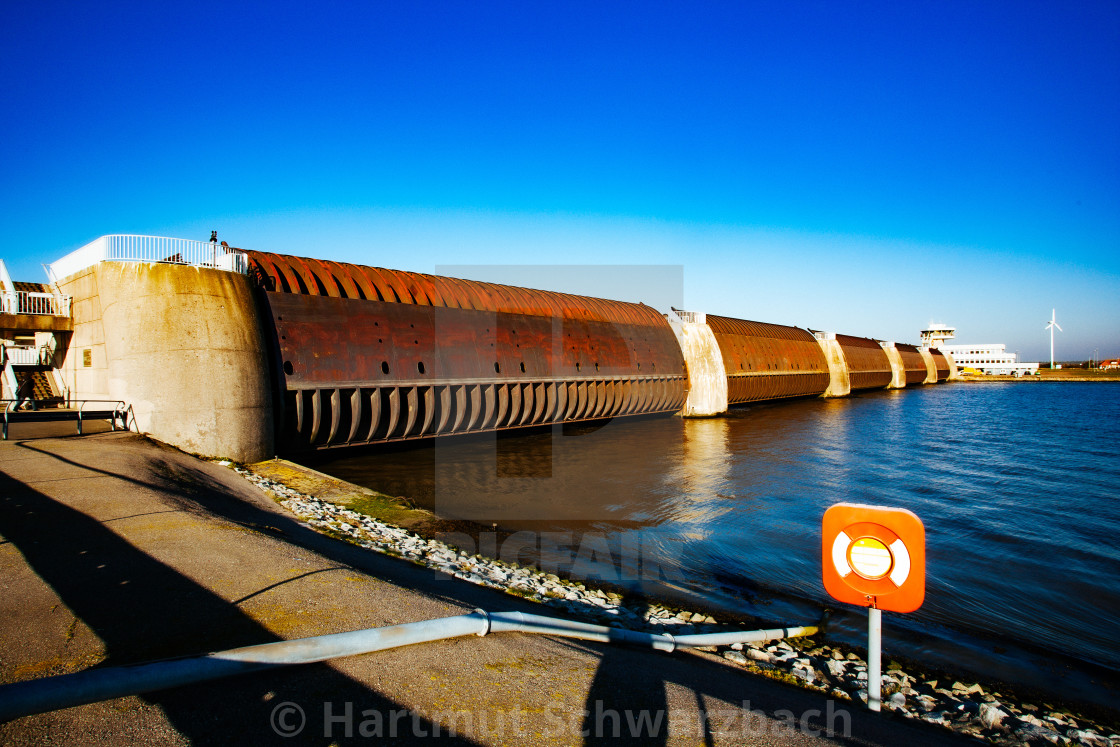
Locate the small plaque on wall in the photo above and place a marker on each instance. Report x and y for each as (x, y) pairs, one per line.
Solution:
(87, 357)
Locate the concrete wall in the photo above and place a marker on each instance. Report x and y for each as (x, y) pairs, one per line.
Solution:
(707, 379)
(85, 367)
(183, 345)
(839, 384)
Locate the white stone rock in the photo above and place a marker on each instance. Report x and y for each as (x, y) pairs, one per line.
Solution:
(735, 656)
(925, 702)
(804, 673)
(991, 715)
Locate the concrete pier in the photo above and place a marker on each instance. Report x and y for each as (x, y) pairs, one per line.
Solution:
(839, 383)
(954, 371)
(931, 367)
(898, 370)
(707, 378)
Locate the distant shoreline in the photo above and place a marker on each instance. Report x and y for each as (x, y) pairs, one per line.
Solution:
(1048, 376)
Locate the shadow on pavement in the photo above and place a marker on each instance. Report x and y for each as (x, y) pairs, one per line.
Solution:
(142, 609)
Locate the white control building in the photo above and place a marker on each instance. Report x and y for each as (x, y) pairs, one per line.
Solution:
(991, 359)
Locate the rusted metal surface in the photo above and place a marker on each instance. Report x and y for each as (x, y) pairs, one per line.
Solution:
(368, 354)
(868, 364)
(941, 363)
(768, 361)
(912, 361)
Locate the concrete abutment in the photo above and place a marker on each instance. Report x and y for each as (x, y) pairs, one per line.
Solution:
(182, 345)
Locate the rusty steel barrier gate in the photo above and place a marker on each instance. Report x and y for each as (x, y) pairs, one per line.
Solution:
(768, 361)
(868, 364)
(367, 355)
(912, 361)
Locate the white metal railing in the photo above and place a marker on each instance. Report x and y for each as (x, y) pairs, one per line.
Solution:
(688, 317)
(132, 248)
(21, 356)
(31, 302)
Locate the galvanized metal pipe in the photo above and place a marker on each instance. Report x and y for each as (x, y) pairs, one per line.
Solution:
(874, 657)
(526, 623)
(93, 685)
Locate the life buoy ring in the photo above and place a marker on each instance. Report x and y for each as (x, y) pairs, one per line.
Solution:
(873, 556)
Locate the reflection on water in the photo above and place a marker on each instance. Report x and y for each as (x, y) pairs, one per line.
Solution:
(1014, 482)
(702, 479)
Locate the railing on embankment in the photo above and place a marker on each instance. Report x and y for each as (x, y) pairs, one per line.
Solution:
(134, 248)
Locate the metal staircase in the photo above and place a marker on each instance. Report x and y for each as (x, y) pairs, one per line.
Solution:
(32, 318)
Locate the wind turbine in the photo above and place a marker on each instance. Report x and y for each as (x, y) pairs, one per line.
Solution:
(1053, 323)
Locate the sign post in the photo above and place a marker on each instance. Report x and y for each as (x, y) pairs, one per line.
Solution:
(874, 557)
(874, 657)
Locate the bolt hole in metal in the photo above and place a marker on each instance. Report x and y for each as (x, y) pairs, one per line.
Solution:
(288, 368)
(385, 367)
(420, 366)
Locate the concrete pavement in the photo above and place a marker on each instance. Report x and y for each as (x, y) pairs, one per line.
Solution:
(117, 549)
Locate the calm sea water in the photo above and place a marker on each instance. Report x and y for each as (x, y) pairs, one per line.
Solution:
(1018, 485)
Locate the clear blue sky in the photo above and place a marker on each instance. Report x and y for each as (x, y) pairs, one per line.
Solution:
(860, 167)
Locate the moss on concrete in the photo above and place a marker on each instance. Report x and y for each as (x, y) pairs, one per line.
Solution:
(396, 511)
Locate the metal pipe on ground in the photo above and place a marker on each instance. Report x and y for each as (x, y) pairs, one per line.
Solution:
(93, 685)
(501, 622)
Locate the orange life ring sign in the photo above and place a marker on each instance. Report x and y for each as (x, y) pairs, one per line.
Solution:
(874, 556)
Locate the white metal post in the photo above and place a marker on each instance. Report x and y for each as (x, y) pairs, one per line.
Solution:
(874, 656)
